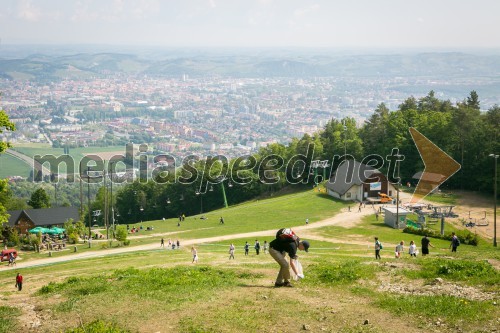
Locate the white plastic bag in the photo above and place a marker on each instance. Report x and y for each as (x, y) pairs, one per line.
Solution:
(298, 267)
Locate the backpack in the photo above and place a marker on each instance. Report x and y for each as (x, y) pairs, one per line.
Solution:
(381, 247)
(287, 235)
(457, 241)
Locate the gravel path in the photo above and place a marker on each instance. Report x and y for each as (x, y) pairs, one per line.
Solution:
(344, 218)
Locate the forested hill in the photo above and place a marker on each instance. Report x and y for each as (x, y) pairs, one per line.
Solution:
(443, 65)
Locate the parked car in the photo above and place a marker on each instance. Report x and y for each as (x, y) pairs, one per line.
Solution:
(384, 198)
(6, 253)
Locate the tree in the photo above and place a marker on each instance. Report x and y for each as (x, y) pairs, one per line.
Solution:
(4, 196)
(121, 234)
(39, 199)
(5, 125)
(74, 229)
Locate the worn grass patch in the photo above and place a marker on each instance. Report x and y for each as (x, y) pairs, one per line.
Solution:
(8, 319)
(98, 326)
(470, 272)
(340, 273)
(447, 308)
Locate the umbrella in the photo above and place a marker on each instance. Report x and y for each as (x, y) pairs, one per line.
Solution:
(37, 230)
(55, 231)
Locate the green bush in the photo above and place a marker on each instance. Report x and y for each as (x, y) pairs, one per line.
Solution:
(73, 238)
(121, 234)
(27, 247)
(126, 242)
(465, 236)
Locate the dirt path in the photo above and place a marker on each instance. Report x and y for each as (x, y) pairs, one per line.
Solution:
(344, 219)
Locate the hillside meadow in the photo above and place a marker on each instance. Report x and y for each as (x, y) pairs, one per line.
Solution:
(345, 288)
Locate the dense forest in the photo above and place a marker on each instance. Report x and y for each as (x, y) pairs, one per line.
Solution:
(463, 131)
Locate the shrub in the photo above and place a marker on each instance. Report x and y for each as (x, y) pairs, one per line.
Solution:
(465, 236)
(73, 238)
(126, 242)
(121, 234)
(27, 247)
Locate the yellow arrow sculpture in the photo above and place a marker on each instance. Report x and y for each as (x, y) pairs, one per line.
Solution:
(439, 166)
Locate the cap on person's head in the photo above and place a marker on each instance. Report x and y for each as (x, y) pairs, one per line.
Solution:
(306, 245)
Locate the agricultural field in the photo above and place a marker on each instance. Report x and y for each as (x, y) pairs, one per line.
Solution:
(75, 153)
(147, 288)
(11, 166)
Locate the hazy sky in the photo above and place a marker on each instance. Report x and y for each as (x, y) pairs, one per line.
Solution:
(253, 23)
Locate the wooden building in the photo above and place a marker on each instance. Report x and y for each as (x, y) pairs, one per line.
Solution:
(358, 182)
(26, 219)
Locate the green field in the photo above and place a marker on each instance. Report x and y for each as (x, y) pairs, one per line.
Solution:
(345, 288)
(76, 153)
(11, 166)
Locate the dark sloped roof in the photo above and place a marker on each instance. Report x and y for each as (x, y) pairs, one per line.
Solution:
(47, 216)
(349, 174)
(14, 215)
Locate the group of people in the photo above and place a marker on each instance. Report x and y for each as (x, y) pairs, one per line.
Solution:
(412, 249)
(399, 250)
(246, 247)
(171, 244)
(286, 243)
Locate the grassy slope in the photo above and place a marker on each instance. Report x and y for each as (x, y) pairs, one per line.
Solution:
(11, 166)
(161, 291)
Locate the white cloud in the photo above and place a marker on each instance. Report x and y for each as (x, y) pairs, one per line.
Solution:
(300, 12)
(118, 10)
(27, 11)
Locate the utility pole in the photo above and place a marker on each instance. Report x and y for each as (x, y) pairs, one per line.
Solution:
(397, 196)
(111, 200)
(88, 198)
(495, 201)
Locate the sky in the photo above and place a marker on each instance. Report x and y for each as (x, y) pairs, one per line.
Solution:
(253, 23)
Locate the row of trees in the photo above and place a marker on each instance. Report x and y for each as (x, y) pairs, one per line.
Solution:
(460, 129)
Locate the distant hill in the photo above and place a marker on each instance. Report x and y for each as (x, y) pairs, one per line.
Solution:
(85, 65)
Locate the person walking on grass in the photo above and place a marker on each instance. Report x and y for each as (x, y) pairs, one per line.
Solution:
(19, 282)
(378, 247)
(231, 251)
(399, 249)
(257, 247)
(413, 249)
(425, 245)
(162, 243)
(286, 242)
(247, 247)
(195, 254)
(455, 242)
(266, 246)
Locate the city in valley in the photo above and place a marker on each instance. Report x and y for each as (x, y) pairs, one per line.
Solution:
(229, 105)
